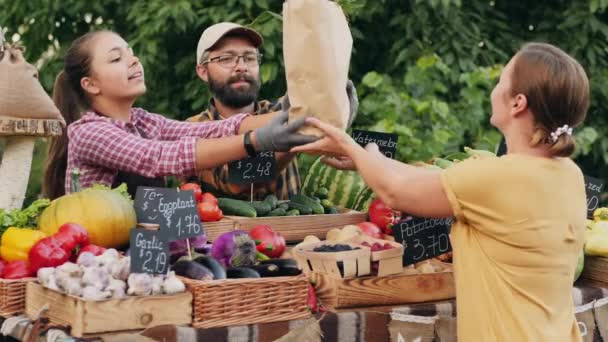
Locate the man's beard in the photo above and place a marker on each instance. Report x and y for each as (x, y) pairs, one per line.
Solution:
(235, 97)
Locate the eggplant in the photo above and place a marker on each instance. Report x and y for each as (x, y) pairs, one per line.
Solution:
(241, 272)
(268, 270)
(281, 262)
(192, 270)
(208, 261)
(287, 267)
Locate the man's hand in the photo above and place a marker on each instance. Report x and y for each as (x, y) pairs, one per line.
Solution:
(280, 136)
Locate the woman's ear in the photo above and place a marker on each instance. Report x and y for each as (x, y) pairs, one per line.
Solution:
(89, 86)
(519, 105)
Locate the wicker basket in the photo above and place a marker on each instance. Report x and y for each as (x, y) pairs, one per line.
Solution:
(219, 303)
(12, 296)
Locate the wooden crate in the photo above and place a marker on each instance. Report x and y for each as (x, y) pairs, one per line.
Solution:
(394, 289)
(355, 263)
(12, 296)
(215, 229)
(94, 317)
(596, 270)
(295, 228)
(390, 261)
(219, 303)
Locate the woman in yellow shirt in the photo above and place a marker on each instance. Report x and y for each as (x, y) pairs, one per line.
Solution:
(520, 218)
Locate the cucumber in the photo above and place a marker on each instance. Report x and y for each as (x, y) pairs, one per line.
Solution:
(326, 204)
(316, 199)
(272, 200)
(235, 207)
(218, 271)
(333, 210)
(293, 212)
(303, 209)
(262, 208)
(283, 205)
(317, 208)
(278, 212)
(322, 193)
(241, 272)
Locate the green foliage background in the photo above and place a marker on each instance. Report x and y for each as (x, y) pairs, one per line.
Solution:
(424, 68)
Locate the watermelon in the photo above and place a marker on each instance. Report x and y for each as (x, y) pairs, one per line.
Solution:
(343, 186)
(363, 199)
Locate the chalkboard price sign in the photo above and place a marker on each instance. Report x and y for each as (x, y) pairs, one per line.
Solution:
(387, 142)
(594, 188)
(261, 168)
(423, 238)
(175, 211)
(149, 251)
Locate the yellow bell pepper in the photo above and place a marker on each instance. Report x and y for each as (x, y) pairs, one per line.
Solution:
(17, 242)
(600, 214)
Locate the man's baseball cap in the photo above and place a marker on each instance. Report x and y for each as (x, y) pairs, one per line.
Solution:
(214, 33)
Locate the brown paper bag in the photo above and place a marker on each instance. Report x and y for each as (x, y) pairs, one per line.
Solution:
(316, 46)
(21, 95)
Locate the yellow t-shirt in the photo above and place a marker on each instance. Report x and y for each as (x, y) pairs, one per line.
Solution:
(520, 223)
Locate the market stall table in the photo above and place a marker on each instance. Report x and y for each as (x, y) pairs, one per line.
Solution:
(426, 321)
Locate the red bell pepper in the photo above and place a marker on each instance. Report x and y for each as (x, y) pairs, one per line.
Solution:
(383, 216)
(94, 249)
(47, 253)
(72, 237)
(268, 241)
(17, 270)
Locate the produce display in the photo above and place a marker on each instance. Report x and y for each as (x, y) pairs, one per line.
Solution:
(298, 204)
(106, 276)
(238, 254)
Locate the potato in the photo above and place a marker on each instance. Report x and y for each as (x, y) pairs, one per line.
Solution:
(333, 234)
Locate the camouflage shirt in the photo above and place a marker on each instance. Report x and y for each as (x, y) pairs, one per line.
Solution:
(216, 180)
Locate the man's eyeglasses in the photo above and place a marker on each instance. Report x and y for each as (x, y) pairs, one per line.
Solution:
(230, 61)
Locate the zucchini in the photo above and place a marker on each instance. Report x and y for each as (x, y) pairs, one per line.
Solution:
(322, 193)
(218, 271)
(192, 270)
(241, 272)
(278, 212)
(316, 207)
(262, 208)
(272, 200)
(283, 205)
(303, 209)
(293, 212)
(235, 207)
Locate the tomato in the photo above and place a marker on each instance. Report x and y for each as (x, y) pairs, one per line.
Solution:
(209, 212)
(208, 197)
(198, 193)
(371, 229)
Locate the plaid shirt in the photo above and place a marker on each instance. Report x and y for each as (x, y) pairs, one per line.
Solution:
(216, 180)
(149, 145)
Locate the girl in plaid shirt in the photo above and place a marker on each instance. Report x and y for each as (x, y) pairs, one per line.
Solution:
(107, 138)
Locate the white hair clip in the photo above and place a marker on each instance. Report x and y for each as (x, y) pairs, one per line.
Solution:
(565, 129)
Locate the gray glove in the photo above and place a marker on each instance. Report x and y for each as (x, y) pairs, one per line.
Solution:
(280, 136)
(353, 102)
